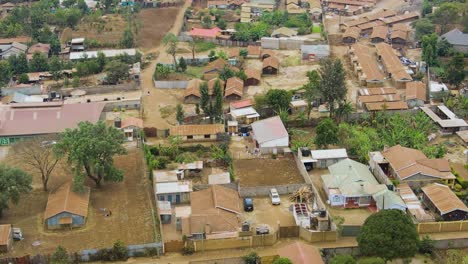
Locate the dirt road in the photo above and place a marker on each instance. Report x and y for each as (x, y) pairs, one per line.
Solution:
(158, 98)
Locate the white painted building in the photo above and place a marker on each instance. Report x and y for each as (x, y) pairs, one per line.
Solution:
(270, 135)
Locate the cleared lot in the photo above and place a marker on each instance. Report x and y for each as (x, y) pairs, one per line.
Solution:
(265, 213)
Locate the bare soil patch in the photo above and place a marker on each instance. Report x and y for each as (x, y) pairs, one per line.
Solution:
(131, 219)
(265, 213)
(155, 23)
(264, 172)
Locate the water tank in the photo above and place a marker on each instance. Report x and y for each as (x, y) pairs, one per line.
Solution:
(117, 122)
(53, 95)
(305, 152)
(245, 227)
(323, 213)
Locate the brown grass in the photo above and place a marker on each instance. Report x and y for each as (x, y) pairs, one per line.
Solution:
(155, 22)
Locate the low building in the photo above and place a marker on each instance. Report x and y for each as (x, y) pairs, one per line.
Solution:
(298, 106)
(6, 238)
(165, 212)
(321, 158)
(447, 121)
(24, 88)
(283, 32)
(11, 49)
(213, 68)
(301, 253)
(400, 34)
(6, 8)
(438, 90)
(365, 66)
(411, 166)
(414, 205)
(270, 135)
(234, 89)
(177, 192)
(167, 176)
(379, 34)
(203, 33)
(38, 48)
(66, 208)
(415, 94)
(351, 35)
(444, 202)
(386, 106)
(215, 213)
(314, 53)
(77, 44)
(246, 115)
(392, 65)
(377, 91)
(267, 53)
(254, 77)
(407, 17)
(270, 66)
(458, 39)
(192, 91)
(197, 132)
(241, 104)
(362, 100)
(254, 52)
(131, 127)
(107, 53)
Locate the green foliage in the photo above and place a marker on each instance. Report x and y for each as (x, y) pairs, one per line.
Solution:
(90, 150)
(371, 260)
(459, 105)
(13, 183)
(343, 259)
(5, 72)
(251, 258)
(311, 90)
(161, 72)
(201, 46)
(446, 14)
(221, 24)
(23, 78)
(332, 83)
(19, 64)
(423, 27)
(171, 42)
(118, 252)
(455, 256)
(38, 63)
(282, 261)
(377, 238)
(217, 110)
(429, 49)
(456, 70)
(116, 71)
(221, 154)
(327, 133)
(186, 157)
(55, 67)
(204, 98)
(197, 109)
(252, 31)
(206, 22)
(444, 48)
(182, 64)
(426, 245)
(338, 221)
(60, 256)
(179, 114)
(128, 41)
(76, 81)
(278, 99)
(243, 53)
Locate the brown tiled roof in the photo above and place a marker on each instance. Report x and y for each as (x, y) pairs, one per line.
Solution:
(271, 62)
(211, 84)
(352, 32)
(268, 52)
(407, 162)
(378, 98)
(254, 50)
(400, 18)
(401, 27)
(354, 22)
(242, 103)
(399, 34)
(64, 199)
(39, 47)
(193, 88)
(415, 90)
(391, 62)
(350, 2)
(187, 130)
(253, 73)
(5, 231)
(132, 121)
(370, 25)
(380, 14)
(379, 32)
(218, 207)
(234, 52)
(17, 39)
(217, 64)
(368, 64)
(301, 253)
(234, 85)
(443, 198)
(398, 105)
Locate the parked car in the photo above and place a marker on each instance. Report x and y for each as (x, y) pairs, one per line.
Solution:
(17, 234)
(274, 196)
(248, 204)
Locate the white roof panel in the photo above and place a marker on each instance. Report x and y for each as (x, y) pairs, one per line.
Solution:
(108, 53)
(173, 187)
(329, 154)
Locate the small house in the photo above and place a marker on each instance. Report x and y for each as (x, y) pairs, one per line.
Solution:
(387, 106)
(67, 208)
(379, 34)
(415, 94)
(298, 106)
(270, 135)
(197, 132)
(11, 49)
(77, 44)
(351, 35)
(253, 52)
(458, 39)
(254, 77)
(6, 238)
(165, 212)
(213, 68)
(284, 32)
(203, 33)
(192, 91)
(234, 89)
(447, 121)
(241, 104)
(6, 8)
(314, 53)
(131, 126)
(246, 115)
(270, 66)
(38, 48)
(444, 202)
(267, 53)
(232, 127)
(174, 192)
(322, 158)
(399, 34)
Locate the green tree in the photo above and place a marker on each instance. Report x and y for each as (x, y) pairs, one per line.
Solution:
(204, 98)
(284, 116)
(101, 60)
(343, 259)
(443, 48)
(311, 90)
(327, 133)
(38, 63)
(278, 99)
(222, 23)
(60, 256)
(226, 73)
(332, 83)
(371, 260)
(182, 64)
(344, 109)
(446, 14)
(282, 261)
(217, 110)
(13, 183)
(23, 78)
(19, 64)
(378, 239)
(90, 149)
(116, 71)
(128, 40)
(206, 22)
(251, 258)
(423, 27)
(55, 67)
(429, 49)
(171, 42)
(243, 53)
(456, 70)
(197, 109)
(55, 46)
(456, 256)
(426, 245)
(75, 81)
(119, 251)
(179, 114)
(161, 72)
(5, 72)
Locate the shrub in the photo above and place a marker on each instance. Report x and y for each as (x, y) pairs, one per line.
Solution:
(343, 259)
(119, 251)
(151, 251)
(426, 245)
(372, 260)
(187, 250)
(251, 258)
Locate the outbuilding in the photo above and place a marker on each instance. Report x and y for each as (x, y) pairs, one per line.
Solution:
(270, 135)
(197, 132)
(254, 77)
(67, 208)
(444, 202)
(270, 66)
(175, 192)
(234, 89)
(6, 238)
(416, 94)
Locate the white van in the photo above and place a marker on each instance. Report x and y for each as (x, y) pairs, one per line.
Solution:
(275, 198)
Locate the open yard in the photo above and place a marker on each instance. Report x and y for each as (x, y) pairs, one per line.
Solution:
(264, 172)
(154, 24)
(131, 219)
(265, 213)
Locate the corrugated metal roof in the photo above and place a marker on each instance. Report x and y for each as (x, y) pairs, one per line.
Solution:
(443, 198)
(269, 129)
(5, 231)
(108, 53)
(66, 200)
(329, 154)
(173, 187)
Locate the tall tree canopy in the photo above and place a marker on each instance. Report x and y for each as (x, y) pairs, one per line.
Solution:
(327, 133)
(311, 90)
(456, 70)
(171, 42)
(332, 83)
(278, 99)
(13, 183)
(90, 149)
(116, 71)
(429, 49)
(447, 14)
(378, 238)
